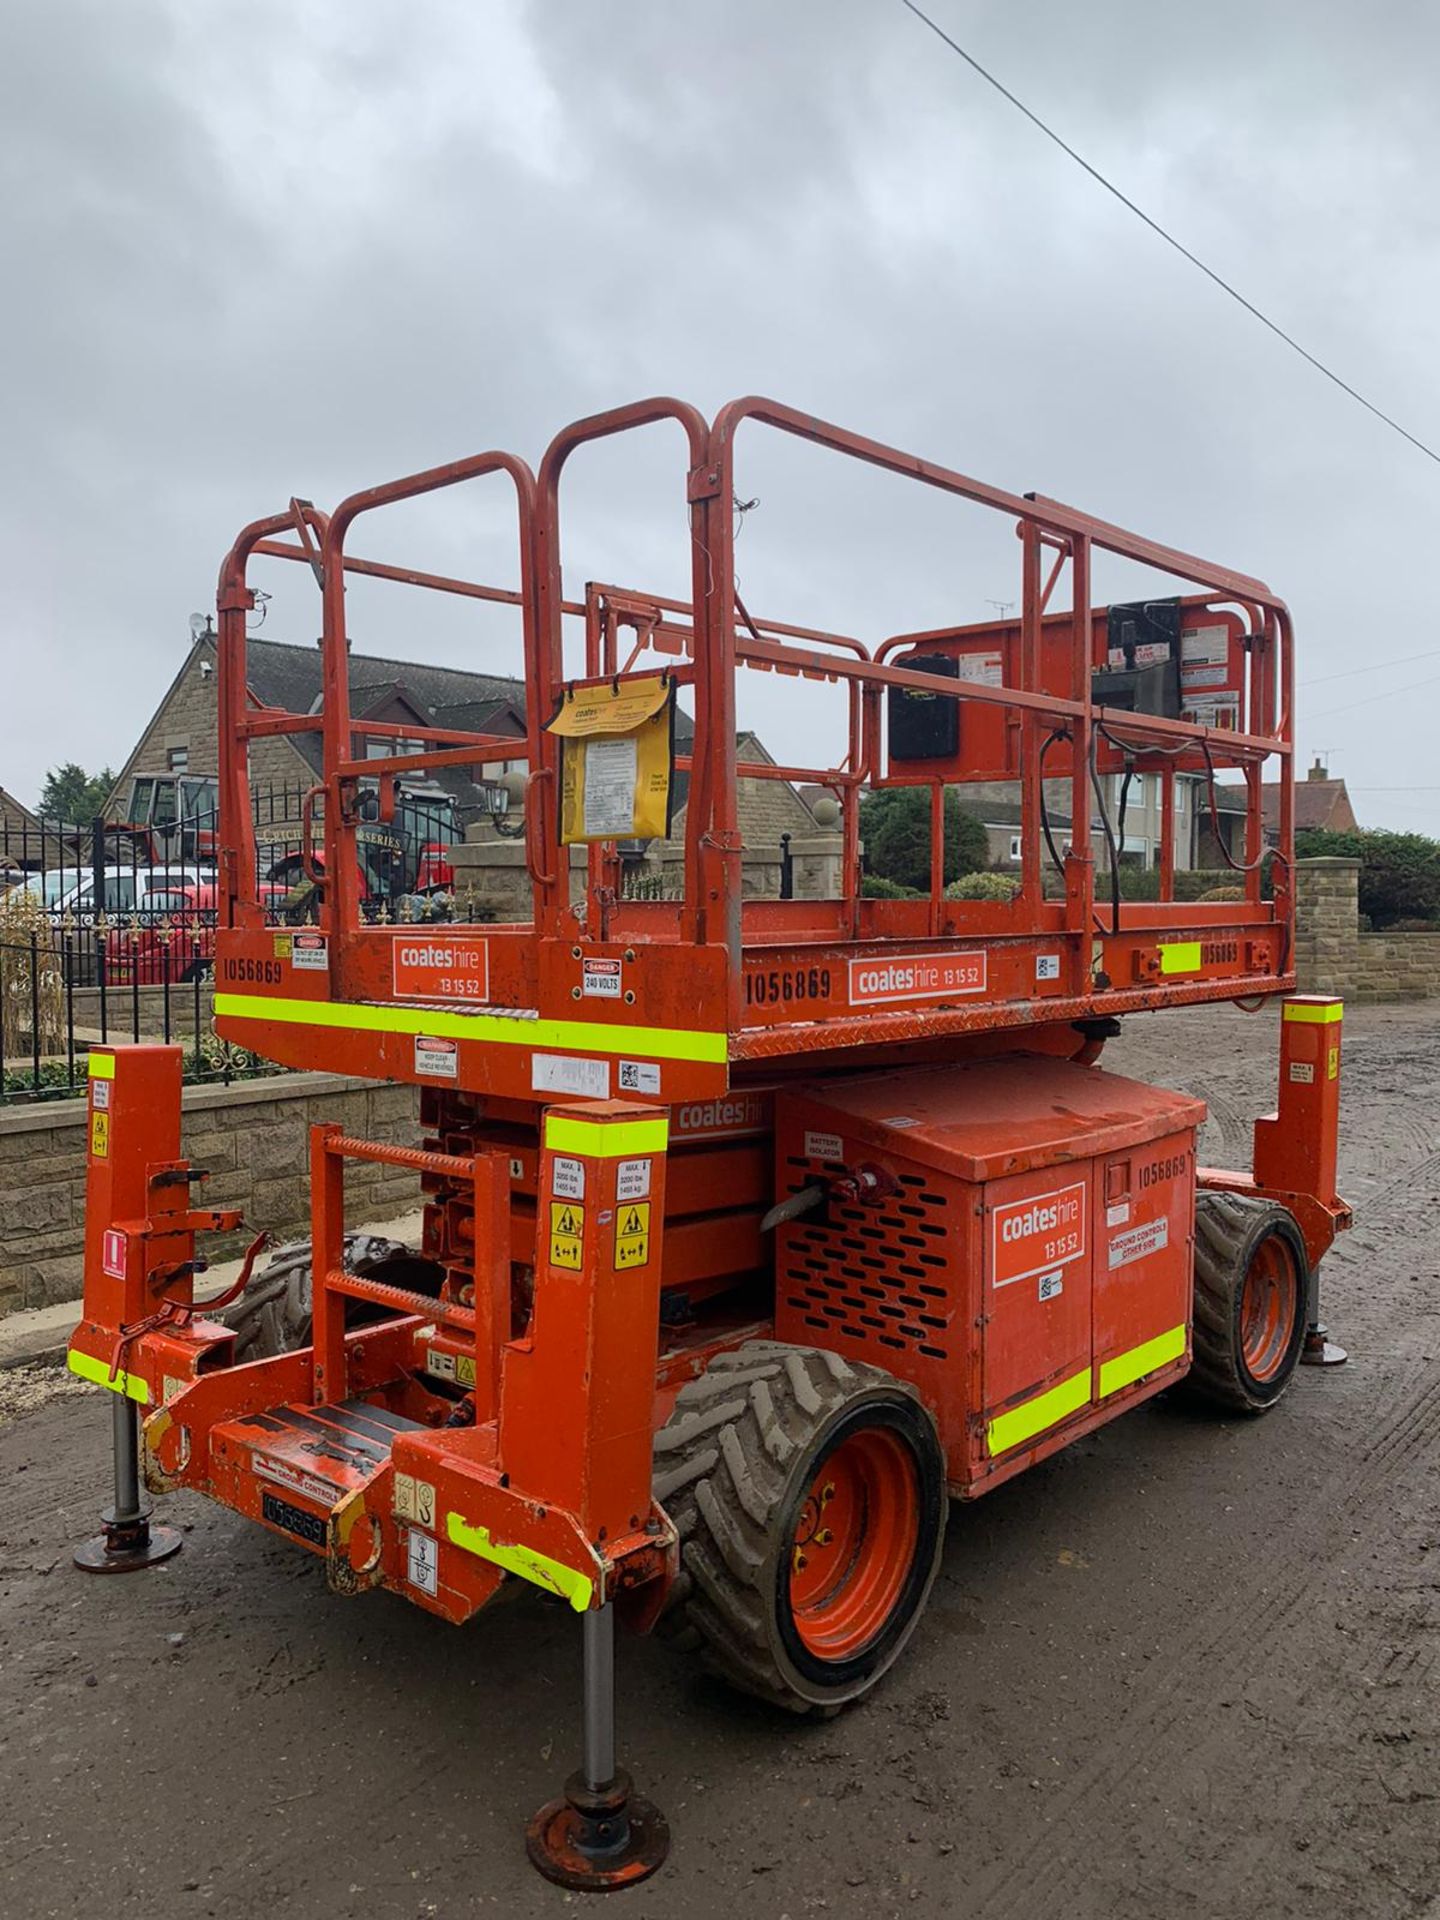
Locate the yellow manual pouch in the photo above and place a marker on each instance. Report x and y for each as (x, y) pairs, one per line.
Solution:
(618, 761)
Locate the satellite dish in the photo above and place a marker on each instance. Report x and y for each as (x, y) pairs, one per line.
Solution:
(199, 624)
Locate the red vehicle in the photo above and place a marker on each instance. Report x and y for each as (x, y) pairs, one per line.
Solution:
(174, 938)
(756, 1230)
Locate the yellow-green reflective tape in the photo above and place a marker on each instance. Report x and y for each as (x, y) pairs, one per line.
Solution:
(96, 1370)
(1008, 1430)
(1315, 1016)
(1141, 1360)
(538, 1568)
(604, 1140)
(578, 1036)
(102, 1066)
(1180, 956)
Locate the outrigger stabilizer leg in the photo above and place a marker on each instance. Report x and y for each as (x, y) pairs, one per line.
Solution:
(128, 1541)
(599, 1835)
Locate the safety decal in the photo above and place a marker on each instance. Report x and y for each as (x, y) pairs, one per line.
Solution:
(310, 953)
(112, 1253)
(414, 1500)
(437, 1059)
(422, 1561)
(600, 979)
(1149, 1237)
(632, 1179)
(567, 1229)
(632, 1235)
(567, 1178)
(100, 1136)
(100, 1095)
(639, 1076)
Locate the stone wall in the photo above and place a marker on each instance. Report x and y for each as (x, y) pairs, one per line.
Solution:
(1333, 955)
(254, 1137)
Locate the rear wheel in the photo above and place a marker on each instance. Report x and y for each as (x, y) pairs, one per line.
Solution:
(809, 1495)
(1252, 1283)
(273, 1315)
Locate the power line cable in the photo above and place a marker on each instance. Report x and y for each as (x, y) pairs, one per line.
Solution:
(1169, 238)
(1374, 666)
(1413, 686)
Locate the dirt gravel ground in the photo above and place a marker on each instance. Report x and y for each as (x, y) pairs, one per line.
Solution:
(1187, 1668)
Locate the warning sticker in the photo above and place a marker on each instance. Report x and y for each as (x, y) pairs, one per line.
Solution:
(632, 1179)
(632, 1234)
(112, 1253)
(1149, 1237)
(422, 1561)
(100, 1136)
(824, 1146)
(1302, 1071)
(437, 1059)
(100, 1094)
(309, 952)
(440, 1363)
(1205, 646)
(414, 1500)
(600, 979)
(984, 669)
(567, 1178)
(567, 1229)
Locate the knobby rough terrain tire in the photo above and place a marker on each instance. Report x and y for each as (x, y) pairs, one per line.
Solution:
(272, 1316)
(738, 1467)
(1237, 1235)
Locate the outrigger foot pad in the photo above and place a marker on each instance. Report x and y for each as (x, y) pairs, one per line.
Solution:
(127, 1545)
(595, 1839)
(1319, 1351)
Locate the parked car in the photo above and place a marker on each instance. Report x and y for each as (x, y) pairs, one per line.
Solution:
(175, 938)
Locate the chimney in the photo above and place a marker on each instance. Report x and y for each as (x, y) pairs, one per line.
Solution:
(1319, 771)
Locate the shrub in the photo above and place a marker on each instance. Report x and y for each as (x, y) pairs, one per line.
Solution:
(1224, 893)
(984, 886)
(895, 826)
(1399, 872)
(874, 886)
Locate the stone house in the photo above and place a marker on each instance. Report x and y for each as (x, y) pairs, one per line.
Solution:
(175, 762)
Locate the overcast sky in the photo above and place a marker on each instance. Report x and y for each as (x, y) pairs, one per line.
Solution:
(300, 246)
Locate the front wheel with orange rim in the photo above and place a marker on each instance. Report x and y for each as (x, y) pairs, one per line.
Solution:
(1252, 1285)
(809, 1495)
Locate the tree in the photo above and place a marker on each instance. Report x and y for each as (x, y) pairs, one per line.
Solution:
(895, 826)
(72, 795)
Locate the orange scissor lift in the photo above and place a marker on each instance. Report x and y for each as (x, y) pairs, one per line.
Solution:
(755, 1230)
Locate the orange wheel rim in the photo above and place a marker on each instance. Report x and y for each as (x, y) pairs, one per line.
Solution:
(1269, 1303)
(853, 1544)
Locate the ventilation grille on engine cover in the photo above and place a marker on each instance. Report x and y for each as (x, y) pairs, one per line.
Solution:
(872, 1276)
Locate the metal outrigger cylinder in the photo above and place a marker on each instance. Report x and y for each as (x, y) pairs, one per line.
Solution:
(128, 1541)
(598, 1835)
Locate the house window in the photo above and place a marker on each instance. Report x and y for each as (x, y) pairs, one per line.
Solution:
(1015, 846)
(177, 759)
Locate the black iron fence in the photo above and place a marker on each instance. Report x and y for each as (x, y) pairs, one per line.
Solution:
(107, 927)
(66, 989)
